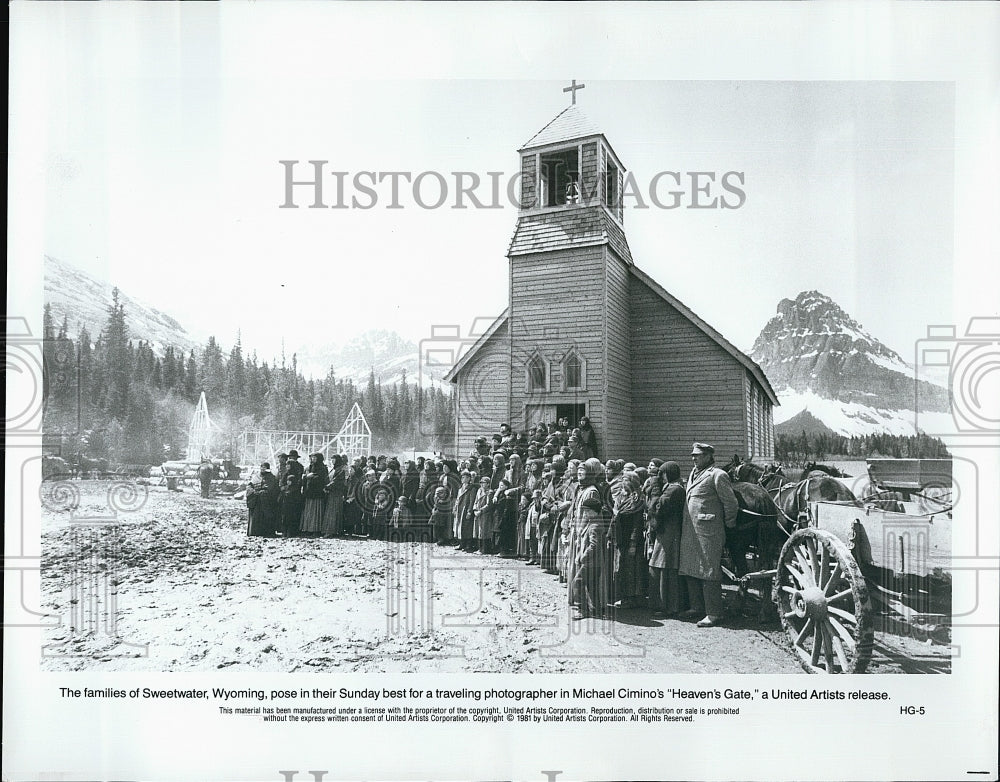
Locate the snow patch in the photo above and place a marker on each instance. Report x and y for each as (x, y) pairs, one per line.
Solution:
(851, 418)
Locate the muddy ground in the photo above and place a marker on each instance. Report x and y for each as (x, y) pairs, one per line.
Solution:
(191, 592)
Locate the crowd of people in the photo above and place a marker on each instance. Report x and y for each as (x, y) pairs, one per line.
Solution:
(616, 534)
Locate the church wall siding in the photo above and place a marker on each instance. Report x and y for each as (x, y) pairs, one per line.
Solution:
(685, 386)
(617, 441)
(481, 389)
(556, 302)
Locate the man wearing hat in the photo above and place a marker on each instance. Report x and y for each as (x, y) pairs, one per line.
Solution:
(710, 507)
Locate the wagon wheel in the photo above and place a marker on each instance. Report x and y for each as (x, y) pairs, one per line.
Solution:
(822, 600)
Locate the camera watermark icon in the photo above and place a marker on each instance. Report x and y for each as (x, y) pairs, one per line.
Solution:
(970, 367)
(24, 369)
(94, 573)
(441, 354)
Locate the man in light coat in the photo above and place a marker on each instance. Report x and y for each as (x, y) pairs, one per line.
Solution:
(710, 507)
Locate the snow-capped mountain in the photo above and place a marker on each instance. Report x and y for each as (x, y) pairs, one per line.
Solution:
(84, 301)
(824, 364)
(385, 352)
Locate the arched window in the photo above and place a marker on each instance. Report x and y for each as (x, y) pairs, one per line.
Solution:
(574, 372)
(538, 375)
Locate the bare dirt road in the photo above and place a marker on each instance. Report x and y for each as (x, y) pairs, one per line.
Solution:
(192, 592)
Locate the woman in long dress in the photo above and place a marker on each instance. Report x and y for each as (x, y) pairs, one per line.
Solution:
(483, 513)
(262, 502)
(314, 494)
(336, 488)
(664, 523)
(588, 587)
(627, 543)
(465, 512)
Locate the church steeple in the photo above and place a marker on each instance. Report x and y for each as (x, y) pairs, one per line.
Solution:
(571, 186)
(569, 163)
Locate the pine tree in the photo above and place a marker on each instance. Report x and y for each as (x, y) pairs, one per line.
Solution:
(191, 379)
(116, 359)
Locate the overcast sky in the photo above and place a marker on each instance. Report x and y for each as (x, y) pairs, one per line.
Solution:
(160, 145)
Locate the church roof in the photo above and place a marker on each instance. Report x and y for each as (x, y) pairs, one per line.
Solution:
(474, 348)
(568, 228)
(674, 302)
(568, 124)
(724, 343)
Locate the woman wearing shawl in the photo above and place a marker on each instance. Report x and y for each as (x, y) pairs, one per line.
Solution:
(482, 530)
(587, 592)
(314, 494)
(410, 483)
(504, 519)
(566, 548)
(391, 478)
(336, 489)
(515, 472)
(425, 492)
(368, 497)
(665, 523)
(441, 513)
(588, 438)
(262, 502)
(465, 512)
(352, 507)
(627, 541)
(533, 479)
(499, 470)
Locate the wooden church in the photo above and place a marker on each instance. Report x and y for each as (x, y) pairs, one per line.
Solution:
(586, 332)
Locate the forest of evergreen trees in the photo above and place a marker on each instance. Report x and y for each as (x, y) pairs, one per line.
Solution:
(805, 447)
(114, 398)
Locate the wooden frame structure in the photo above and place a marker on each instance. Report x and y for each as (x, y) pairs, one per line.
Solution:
(201, 432)
(263, 445)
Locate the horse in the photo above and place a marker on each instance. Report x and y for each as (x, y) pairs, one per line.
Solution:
(793, 490)
(794, 498)
(758, 523)
(770, 476)
(758, 526)
(828, 469)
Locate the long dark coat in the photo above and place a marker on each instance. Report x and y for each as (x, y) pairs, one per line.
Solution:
(262, 502)
(465, 512)
(589, 553)
(588, 441)
(665, 523)
(291, 497)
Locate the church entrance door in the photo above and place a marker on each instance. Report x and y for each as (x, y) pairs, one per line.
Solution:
(573, 412)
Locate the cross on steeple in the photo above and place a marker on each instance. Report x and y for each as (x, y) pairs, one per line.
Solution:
(573, 88)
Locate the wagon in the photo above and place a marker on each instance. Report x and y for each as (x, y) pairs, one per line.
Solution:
(847, 569)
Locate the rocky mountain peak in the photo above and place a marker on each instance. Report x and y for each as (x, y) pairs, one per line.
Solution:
(812, 346)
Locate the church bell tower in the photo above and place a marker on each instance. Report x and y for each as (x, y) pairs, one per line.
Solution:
(569, 283)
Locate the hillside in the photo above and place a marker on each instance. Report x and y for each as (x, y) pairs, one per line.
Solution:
(83, 301)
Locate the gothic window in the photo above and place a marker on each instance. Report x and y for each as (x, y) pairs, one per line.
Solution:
(537, 373)
(574, 372)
